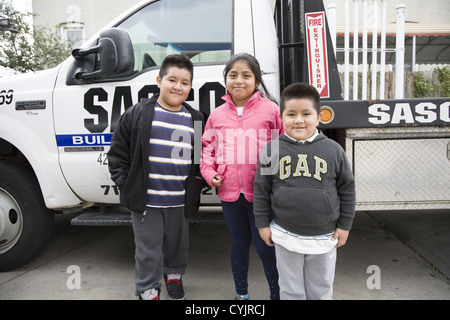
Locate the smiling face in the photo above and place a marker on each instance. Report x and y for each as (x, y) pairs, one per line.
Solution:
(300, 118)
(174, 87)
(241, 82)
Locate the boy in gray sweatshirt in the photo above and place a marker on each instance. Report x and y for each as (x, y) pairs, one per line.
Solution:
(307, 181)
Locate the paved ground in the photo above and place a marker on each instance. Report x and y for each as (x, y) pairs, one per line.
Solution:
(389, 255)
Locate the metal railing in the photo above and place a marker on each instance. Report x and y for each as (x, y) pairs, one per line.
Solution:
(365, 49)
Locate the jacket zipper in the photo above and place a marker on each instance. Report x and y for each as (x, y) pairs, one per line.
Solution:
(143, 216)
(145, 153)
(241, 188)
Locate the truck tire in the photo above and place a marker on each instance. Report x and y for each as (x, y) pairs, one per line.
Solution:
(25, 222)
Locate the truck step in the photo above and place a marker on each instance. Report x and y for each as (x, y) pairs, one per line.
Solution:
(102, 219)
(207, 218)
(115, 219)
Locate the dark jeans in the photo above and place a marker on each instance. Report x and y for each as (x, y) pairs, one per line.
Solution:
(241, 225)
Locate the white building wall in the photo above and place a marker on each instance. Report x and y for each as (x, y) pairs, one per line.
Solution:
(87, 14)
(425, 17)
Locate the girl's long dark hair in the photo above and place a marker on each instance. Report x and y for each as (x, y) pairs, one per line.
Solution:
(254, 66)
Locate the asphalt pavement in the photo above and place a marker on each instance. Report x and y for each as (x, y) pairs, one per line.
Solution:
(389, 255)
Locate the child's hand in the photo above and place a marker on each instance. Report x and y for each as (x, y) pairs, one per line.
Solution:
(341, 235)
(217, 180)
(266, 235)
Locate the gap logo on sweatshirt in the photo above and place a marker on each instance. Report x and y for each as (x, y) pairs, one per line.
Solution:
(302, 168)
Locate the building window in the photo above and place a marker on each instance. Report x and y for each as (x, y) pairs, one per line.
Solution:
(73, 32)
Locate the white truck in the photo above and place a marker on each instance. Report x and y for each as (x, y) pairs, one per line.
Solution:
(56, 125)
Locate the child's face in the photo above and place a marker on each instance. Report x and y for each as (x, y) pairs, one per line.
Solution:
(241, 82)
(300, 118)
(175, 87)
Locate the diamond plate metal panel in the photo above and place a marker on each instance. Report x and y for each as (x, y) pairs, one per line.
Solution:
(400, 169)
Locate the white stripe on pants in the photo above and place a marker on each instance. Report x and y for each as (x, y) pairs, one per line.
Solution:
(305, 276)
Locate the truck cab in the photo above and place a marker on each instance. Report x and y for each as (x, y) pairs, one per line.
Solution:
(88, 103)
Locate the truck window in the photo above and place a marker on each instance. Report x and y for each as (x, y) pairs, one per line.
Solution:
(199, 29)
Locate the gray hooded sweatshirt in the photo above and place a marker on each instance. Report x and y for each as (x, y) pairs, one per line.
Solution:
(309, 186)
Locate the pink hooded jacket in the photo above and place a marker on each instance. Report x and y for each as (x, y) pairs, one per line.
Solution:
(231, 145)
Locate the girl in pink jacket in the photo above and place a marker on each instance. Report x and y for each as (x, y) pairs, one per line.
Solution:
(235, 133)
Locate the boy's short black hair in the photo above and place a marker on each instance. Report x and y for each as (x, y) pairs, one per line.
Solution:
(179, 61)
(300, 90)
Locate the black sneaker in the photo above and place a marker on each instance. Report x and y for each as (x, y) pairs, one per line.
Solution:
(175, 289)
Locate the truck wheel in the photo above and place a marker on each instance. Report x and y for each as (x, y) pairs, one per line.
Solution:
(25, 222)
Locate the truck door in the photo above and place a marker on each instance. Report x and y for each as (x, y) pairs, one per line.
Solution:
(86, 111)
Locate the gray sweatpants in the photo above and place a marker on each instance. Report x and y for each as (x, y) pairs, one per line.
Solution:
(305, 276)
(162, 243)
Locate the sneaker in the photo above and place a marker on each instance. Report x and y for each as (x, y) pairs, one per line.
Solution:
(150, 294)
(241, 297)
(175, 288)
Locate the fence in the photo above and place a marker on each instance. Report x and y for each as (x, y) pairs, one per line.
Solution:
(416, 84)
(376, 78)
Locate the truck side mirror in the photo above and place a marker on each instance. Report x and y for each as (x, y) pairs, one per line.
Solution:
(112, 56)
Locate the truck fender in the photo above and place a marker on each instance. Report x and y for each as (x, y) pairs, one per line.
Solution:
(41, 153)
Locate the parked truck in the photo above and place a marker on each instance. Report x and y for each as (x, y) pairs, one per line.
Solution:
(56, 125)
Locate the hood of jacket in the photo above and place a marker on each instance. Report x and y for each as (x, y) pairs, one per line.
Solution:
(255, 98)
(320, 136)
